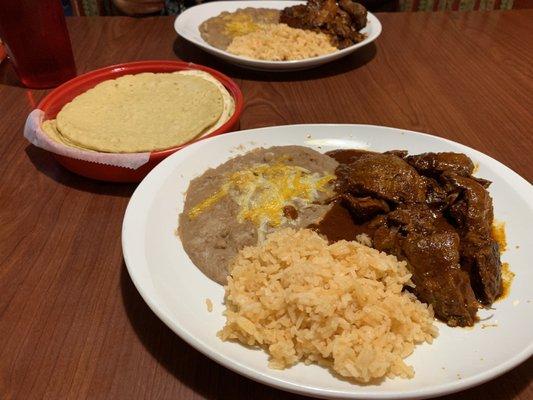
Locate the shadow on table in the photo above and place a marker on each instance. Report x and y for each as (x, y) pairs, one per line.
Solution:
(45, 163)
(188, 52)
(212, 381)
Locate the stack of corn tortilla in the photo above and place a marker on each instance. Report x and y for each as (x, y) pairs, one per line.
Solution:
(143, 112)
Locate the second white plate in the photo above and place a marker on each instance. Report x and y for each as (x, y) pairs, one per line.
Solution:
(187, 23)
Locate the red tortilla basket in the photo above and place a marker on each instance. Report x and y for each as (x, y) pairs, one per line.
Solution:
(63, 94)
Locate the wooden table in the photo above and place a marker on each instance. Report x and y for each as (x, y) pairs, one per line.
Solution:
(72, 324)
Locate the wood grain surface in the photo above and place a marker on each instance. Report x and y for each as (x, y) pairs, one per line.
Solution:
(72, 325)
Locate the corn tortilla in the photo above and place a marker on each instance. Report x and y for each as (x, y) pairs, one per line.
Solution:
(229, 103)
(50, 128)
(142, 112)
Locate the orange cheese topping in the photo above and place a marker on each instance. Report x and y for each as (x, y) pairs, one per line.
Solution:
(262, 191)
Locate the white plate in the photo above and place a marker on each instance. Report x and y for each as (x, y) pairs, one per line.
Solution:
(187, 24)
(176, 290)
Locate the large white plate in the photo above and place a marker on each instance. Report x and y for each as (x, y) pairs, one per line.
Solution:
(176, 290)
(187, 24)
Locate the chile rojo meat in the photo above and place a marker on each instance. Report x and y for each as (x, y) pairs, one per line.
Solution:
(428, 210)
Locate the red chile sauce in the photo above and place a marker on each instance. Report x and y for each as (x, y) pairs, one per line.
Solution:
(337, 224)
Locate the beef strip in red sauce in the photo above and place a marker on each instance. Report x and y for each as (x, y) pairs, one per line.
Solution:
(468, 207)
(363, 209)
(430, 245)
(436, 163)
(425, 209)
(347, 156)
(382, 176)
(473, 216)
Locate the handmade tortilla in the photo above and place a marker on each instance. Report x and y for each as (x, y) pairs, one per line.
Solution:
(229, 103)
(142, 112)
(50, 128)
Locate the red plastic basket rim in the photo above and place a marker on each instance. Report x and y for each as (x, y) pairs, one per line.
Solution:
(145, 66)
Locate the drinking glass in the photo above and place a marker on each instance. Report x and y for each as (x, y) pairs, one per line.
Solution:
(37, 41)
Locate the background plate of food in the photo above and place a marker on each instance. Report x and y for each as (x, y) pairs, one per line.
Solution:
(279, 35)
(339, 261)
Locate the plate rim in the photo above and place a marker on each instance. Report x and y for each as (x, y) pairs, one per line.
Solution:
(242, 369)
(269, 64)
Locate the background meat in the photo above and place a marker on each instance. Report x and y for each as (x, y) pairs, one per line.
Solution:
(356, 11)
(341, 21)
(296, 16)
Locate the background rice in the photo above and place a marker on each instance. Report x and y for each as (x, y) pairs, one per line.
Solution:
(279, 42)
(340, 305)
